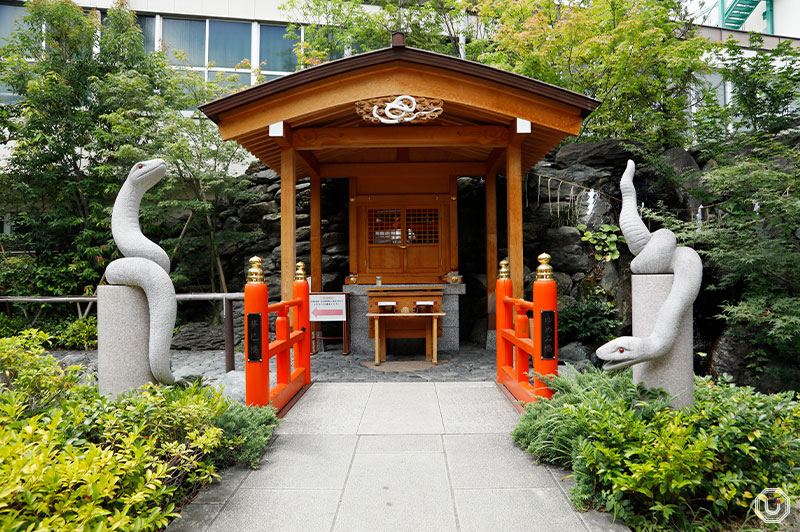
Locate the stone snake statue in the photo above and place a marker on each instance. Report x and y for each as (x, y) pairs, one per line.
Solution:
(145, 264)
(656, 253)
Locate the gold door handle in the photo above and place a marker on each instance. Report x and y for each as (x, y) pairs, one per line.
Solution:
(401, 246)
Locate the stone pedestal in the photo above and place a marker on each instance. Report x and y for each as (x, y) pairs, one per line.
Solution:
(361, 343)
(123, 335)
(674, 372)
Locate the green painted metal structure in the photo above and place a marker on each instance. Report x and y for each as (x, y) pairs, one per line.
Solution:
(734, 13)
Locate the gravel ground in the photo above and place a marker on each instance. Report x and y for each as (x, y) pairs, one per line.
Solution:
(470, 363)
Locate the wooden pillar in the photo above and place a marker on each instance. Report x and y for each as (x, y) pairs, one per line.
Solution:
(514, 202)
(316, 234)
(288, 221)
(491, 245)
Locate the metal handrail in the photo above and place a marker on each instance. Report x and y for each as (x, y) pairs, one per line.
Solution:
(230, 362)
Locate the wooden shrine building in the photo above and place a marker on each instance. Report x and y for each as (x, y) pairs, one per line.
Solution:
(402, 125)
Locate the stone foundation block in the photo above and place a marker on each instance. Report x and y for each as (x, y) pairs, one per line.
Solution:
(123, 335)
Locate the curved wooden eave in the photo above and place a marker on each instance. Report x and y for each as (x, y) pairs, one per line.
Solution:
(411, 56)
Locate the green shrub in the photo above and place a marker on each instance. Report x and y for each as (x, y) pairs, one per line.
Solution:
(247, 432)
(591, 321)
(47, 483)
(72, 459)
(65, 333)
(659, 469)
(78, 334)
(27, 370)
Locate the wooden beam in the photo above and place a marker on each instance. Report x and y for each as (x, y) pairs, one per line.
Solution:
(345, 90)
(384, 170)
(311, 162)
(281, 133)
(491, 246)
(400, 137)
(288, 221)
(316, 234)
(495, 161)
(514, 207)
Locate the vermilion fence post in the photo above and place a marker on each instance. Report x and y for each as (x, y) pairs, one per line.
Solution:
(522, 366)
(545, 315)
(505, 319)
(302, 321)
(282, 361)
(256, 336)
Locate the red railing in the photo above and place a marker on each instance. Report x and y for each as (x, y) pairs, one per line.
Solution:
(288, 339)
(516, 318)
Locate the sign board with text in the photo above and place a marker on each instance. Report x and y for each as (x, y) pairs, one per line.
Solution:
(328, 307)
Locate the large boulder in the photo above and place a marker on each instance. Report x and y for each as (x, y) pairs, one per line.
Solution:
(199, 336)
(611, 155)
(566, 249)
(574, 352)
(681, 160)
(728, 356)
(254, 212)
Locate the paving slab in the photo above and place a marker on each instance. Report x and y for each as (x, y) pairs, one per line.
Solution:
(304, 461)
(328, 409)
(267, 510)
(492, 461)
(515, 510)
(399, 443)
(402, 408)
(403, 492)
(478, 407)
(393, 457)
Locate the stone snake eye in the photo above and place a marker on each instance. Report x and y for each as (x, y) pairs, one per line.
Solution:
(621, 350)
(140, 165)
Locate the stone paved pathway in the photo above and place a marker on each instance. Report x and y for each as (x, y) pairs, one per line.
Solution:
(384, 456)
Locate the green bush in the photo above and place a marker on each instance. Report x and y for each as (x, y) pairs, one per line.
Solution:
(659, 469)
(78, 334)
(591, 321)
(72, 459)
(65, 333)
(247, 430)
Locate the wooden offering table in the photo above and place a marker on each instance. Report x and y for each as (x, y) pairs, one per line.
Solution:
(405, 312)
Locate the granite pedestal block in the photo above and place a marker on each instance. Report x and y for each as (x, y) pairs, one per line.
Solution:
(123, 335)
(674, 372)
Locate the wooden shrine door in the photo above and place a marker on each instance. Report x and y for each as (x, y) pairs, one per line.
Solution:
(408, 240)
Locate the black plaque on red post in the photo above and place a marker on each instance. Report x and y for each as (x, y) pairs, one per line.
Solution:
(548, 329)
(254, 337)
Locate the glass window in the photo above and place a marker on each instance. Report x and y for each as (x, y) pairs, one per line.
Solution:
(276, 50)
(228, 43)
(6, 96)
(232, 80)
(10, 16)
(148, 25)
(384, 226)
(186, 35)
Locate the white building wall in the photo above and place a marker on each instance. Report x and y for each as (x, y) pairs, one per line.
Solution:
(787, 17)
(263, 11)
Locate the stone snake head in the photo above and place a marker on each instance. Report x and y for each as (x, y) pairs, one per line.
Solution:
(625, 351)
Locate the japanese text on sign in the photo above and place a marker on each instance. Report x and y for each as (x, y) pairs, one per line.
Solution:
(327, 307)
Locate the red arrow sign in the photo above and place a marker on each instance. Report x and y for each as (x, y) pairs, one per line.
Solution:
(327, 312)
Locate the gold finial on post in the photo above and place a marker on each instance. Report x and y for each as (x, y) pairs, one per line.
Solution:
(255, 274)
(544, 272)
(504, 272)
(300, 272)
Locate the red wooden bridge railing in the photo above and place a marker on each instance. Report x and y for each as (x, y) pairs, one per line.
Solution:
(514, 341)
(258, 348)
